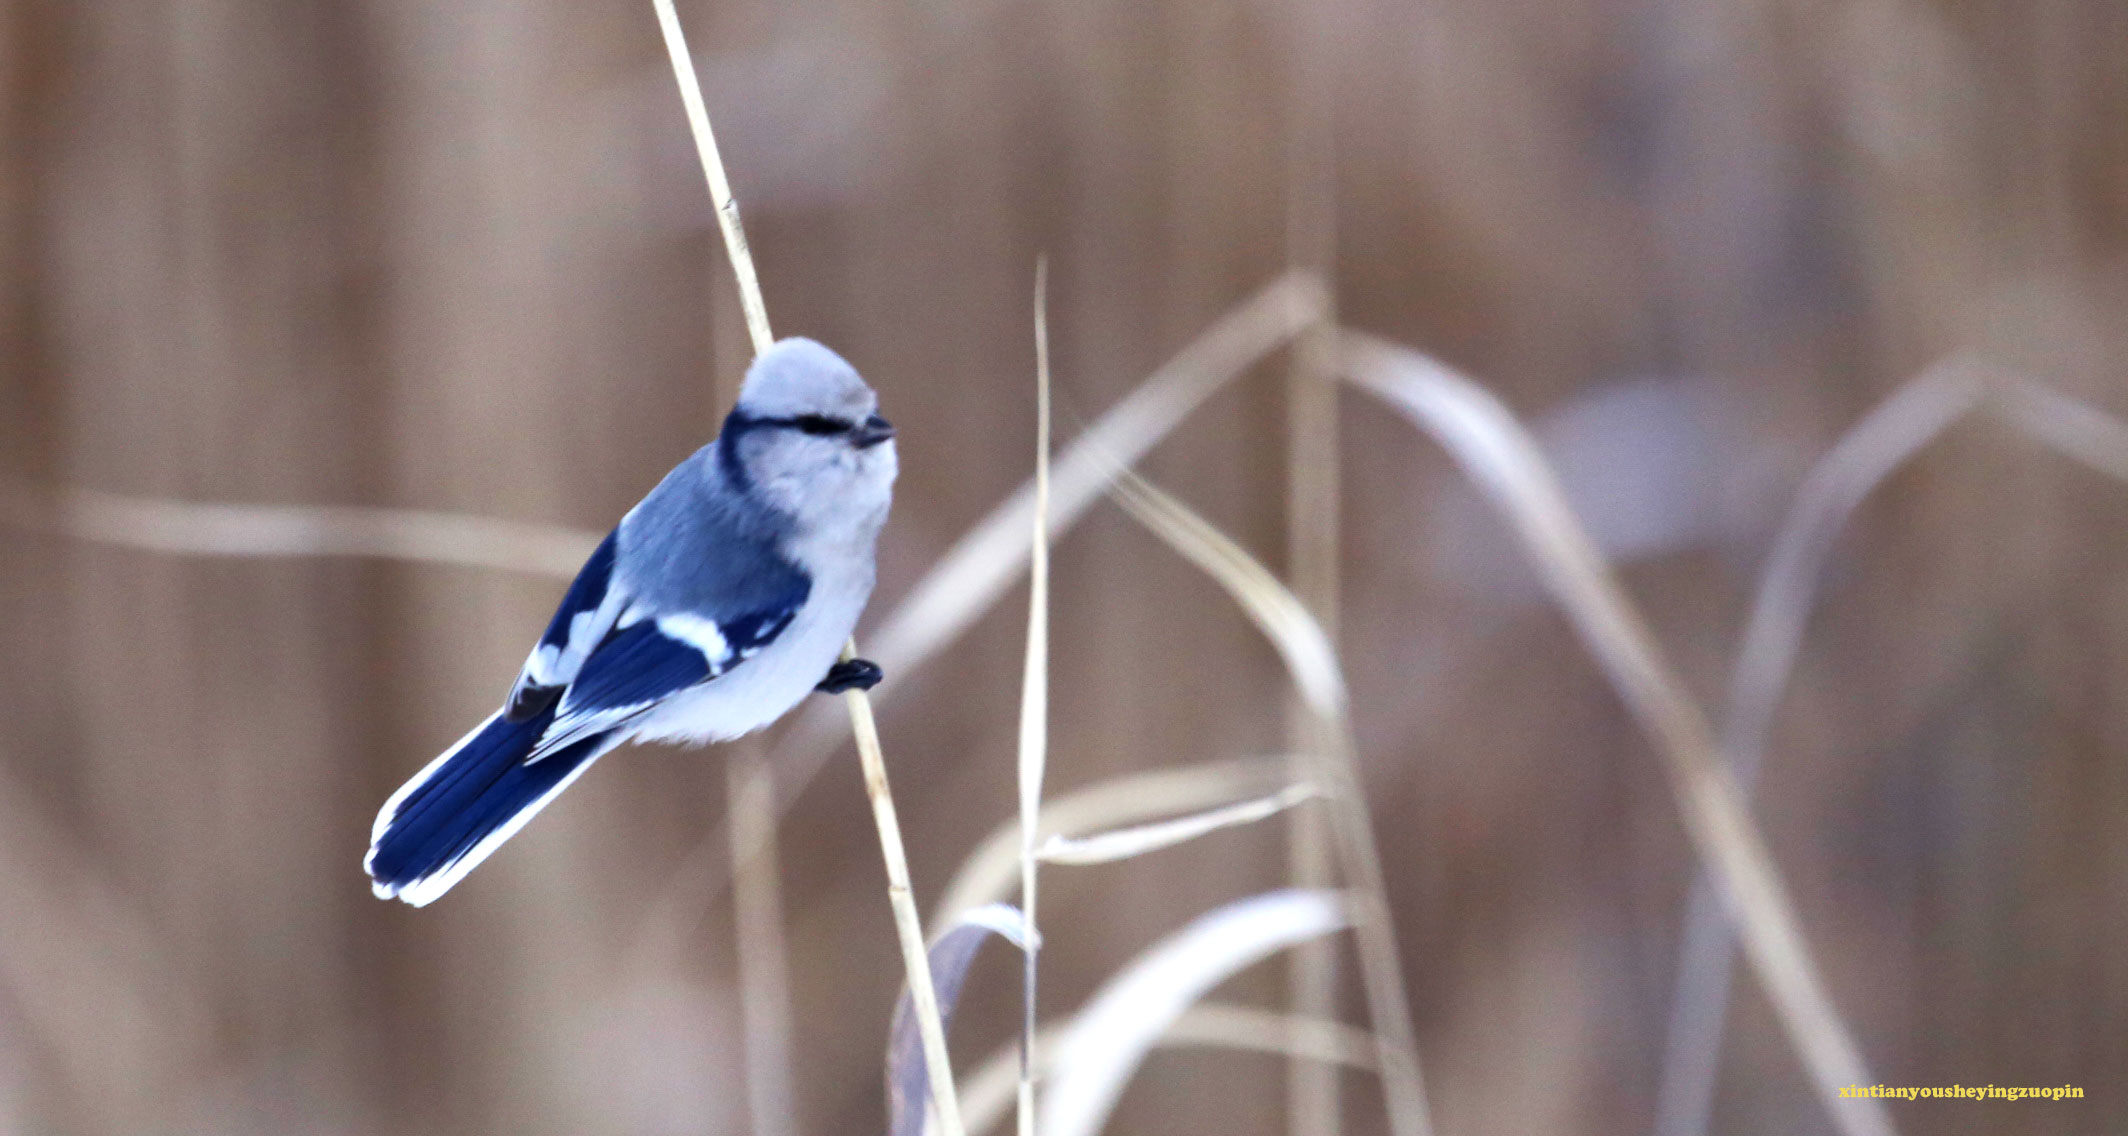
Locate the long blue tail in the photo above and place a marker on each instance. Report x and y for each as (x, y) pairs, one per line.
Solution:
(445, 821)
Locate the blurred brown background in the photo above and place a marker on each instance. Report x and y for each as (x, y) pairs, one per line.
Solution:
(457, 256)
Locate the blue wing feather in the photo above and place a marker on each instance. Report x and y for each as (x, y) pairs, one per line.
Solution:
(649, 660)
(755, 630)
(636, 665)
(585, 594)
(584, 611)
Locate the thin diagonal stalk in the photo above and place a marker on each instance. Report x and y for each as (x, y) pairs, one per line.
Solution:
(900, 897)
(720, 191)
(1034, 698)
(1312, 502)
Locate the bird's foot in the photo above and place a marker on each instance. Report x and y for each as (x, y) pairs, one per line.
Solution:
(851, 674)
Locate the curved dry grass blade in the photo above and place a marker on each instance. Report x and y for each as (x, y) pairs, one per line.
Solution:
(951, 954)
(1909, 420)
(1034, 695)
(1105, 1043)
(2073, 429)
(900, 897)
(1124, 843)
(988, 1092)
(1312, 665)
(972, 575)
(1894, 432)
(989, 873)
(189, 528)
(1325, 1040)
(1502, 460)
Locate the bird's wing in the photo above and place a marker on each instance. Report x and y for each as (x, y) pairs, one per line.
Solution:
(584, 619)
(649, 657)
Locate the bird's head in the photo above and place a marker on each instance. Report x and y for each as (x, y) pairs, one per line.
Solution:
(808, 435)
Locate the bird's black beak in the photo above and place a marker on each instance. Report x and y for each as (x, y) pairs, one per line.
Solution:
(871, 432)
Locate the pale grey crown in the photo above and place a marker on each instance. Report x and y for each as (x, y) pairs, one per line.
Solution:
(798, 376)
(807, 441)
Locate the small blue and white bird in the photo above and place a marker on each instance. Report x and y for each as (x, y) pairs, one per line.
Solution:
(717, 604)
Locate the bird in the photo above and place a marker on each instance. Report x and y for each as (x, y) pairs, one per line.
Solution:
(717, 604)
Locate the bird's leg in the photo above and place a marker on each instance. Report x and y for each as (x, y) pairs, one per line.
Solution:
(851, 674)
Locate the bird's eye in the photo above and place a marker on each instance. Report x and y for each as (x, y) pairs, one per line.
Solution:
(820, 424)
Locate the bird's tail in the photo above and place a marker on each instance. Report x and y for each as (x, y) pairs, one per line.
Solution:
(445, 821)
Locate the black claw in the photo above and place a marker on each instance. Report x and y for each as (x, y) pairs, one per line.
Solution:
(851, 674)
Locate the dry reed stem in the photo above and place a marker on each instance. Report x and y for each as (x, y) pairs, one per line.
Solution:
(1312, 497)
(975, 573)
(764, 970)
(720, 191)
(189, 528)
(907, 925)
(1312, 665)
(1499, 457)
(1312, 514)
(1034, 699)
(989, 873)
(1891, 434)
(900, 897)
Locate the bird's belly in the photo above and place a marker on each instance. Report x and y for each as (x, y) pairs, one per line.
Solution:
(764, 687)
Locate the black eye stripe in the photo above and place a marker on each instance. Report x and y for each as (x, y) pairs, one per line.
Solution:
(817, 424)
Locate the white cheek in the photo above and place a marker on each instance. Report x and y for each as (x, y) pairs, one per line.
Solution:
(878, 461)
